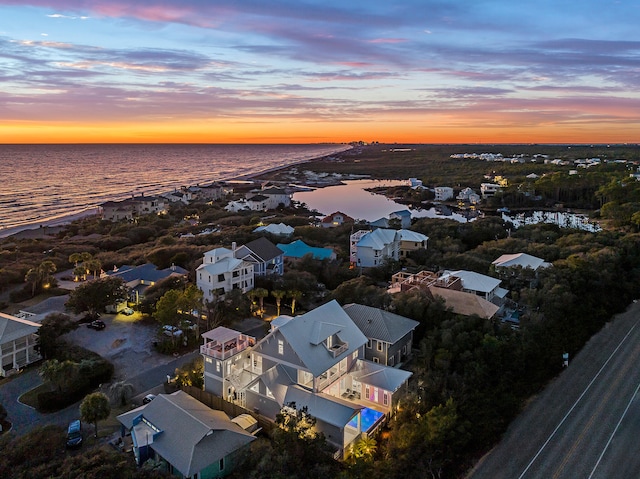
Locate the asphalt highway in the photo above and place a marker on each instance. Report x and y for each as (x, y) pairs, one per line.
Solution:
(586, 423)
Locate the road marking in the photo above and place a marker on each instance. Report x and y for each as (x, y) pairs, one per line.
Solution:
(526, 469)
(614, 431)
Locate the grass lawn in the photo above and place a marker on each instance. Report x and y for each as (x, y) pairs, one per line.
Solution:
(30, 398)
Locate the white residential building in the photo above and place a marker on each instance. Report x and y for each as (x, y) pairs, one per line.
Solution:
(487, 190)
(18, 340)
(221, 272)
(371, 248)
(482, 285)
(443, 193)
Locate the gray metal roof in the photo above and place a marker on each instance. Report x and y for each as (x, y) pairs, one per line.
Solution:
(192, 436)
(306, 333)
(377, 375)
(325, 408)
(379, 324)
(12, 328)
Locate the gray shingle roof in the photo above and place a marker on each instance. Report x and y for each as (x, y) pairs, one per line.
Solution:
(261, 248)
(379, 324)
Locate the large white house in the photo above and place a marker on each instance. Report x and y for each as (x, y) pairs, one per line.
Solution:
(222, 272)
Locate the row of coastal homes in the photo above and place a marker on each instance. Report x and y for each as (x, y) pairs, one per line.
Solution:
(321, 360)
(262, 200)
(133, 207)
(371, 248)
(224, 270)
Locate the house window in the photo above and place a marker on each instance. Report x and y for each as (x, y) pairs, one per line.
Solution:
(366, 392)
(280, 346)
(385, 399)
(236, 274)
(368, 343)
(209, 360)
(376, 360)
(220, 278)
(221, 464)
(217, 366)
(379, 345)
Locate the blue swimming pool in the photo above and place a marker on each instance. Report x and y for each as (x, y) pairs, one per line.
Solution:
(369, 418)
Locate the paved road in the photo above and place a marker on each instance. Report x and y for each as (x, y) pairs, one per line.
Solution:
(586, 423)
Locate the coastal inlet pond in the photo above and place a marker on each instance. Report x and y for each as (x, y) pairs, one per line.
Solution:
(351, 198)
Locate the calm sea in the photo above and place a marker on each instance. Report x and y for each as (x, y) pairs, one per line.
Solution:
(43, 183)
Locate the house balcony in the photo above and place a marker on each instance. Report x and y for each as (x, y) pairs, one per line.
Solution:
(338, 349)
(226, 346)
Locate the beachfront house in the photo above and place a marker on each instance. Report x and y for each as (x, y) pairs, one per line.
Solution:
(187, 438)
(312, 360)
(222, 272)
(211, 192)
(132, 208)
(389, 335)
(18, 341)
(269, 198)
(266, 257)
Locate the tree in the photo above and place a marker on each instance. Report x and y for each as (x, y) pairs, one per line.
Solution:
(93, 265)
(95, 407)
(261, 293)
(52, 327)
(294, 295)
(278, 294)
(120, 392)
(46, 270)
(167, 310)
(191, 373)
(97, 294)
(60, 374)
(32, 277)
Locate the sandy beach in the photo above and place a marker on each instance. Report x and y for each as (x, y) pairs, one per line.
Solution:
(46, 228)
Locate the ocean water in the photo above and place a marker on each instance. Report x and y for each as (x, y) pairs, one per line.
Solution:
(45, 183)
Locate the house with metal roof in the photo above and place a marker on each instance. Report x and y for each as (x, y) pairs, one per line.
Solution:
(266, 257)
(139, 278)
(312, 360)
(188, 438)
(371, 248)
(389, 335)
(279, 229)
(482, 285)
(18, 340)
(298, 249)
(521, 260)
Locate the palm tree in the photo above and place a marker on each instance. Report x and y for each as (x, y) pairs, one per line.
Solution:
(295, 295)
(278, 294)
(93, 265)
(261, 293)
(46, 269)
(365, 447)
(32, 277)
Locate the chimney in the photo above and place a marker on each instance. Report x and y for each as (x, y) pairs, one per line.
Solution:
(233, 248)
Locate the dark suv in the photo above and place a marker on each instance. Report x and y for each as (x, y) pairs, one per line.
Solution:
(74, 434)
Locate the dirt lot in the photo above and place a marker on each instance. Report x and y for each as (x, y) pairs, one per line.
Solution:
(126, 341)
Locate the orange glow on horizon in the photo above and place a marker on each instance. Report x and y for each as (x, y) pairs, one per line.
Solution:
(409, 132)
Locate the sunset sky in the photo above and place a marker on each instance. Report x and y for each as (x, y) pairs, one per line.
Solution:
(303, 71)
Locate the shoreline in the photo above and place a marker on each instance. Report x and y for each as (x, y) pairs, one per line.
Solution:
(41, 229)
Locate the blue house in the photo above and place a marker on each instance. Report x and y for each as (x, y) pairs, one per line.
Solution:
(298, 249)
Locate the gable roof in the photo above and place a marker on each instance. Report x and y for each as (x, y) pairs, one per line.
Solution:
(146, 272)
(380, 376)
(520, 259)
(305, 335)
(222, 266)
(345, 218)
(379, 324)
(408, 235)
(465, 303)
(12, 328)
(261, 248)
(192, 436)
(298, 249)
(279, 229)
(474, 281)
(377, 239)
(401, 213)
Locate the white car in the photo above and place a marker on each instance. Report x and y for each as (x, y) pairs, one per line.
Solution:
(169, 330)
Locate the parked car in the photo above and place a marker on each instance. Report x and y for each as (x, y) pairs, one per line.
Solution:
(127, 311)
(169, 330)
(74, 434)
(148, 398)
(98, 324)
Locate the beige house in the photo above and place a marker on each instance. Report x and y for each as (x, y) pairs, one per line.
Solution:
(18, 340)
